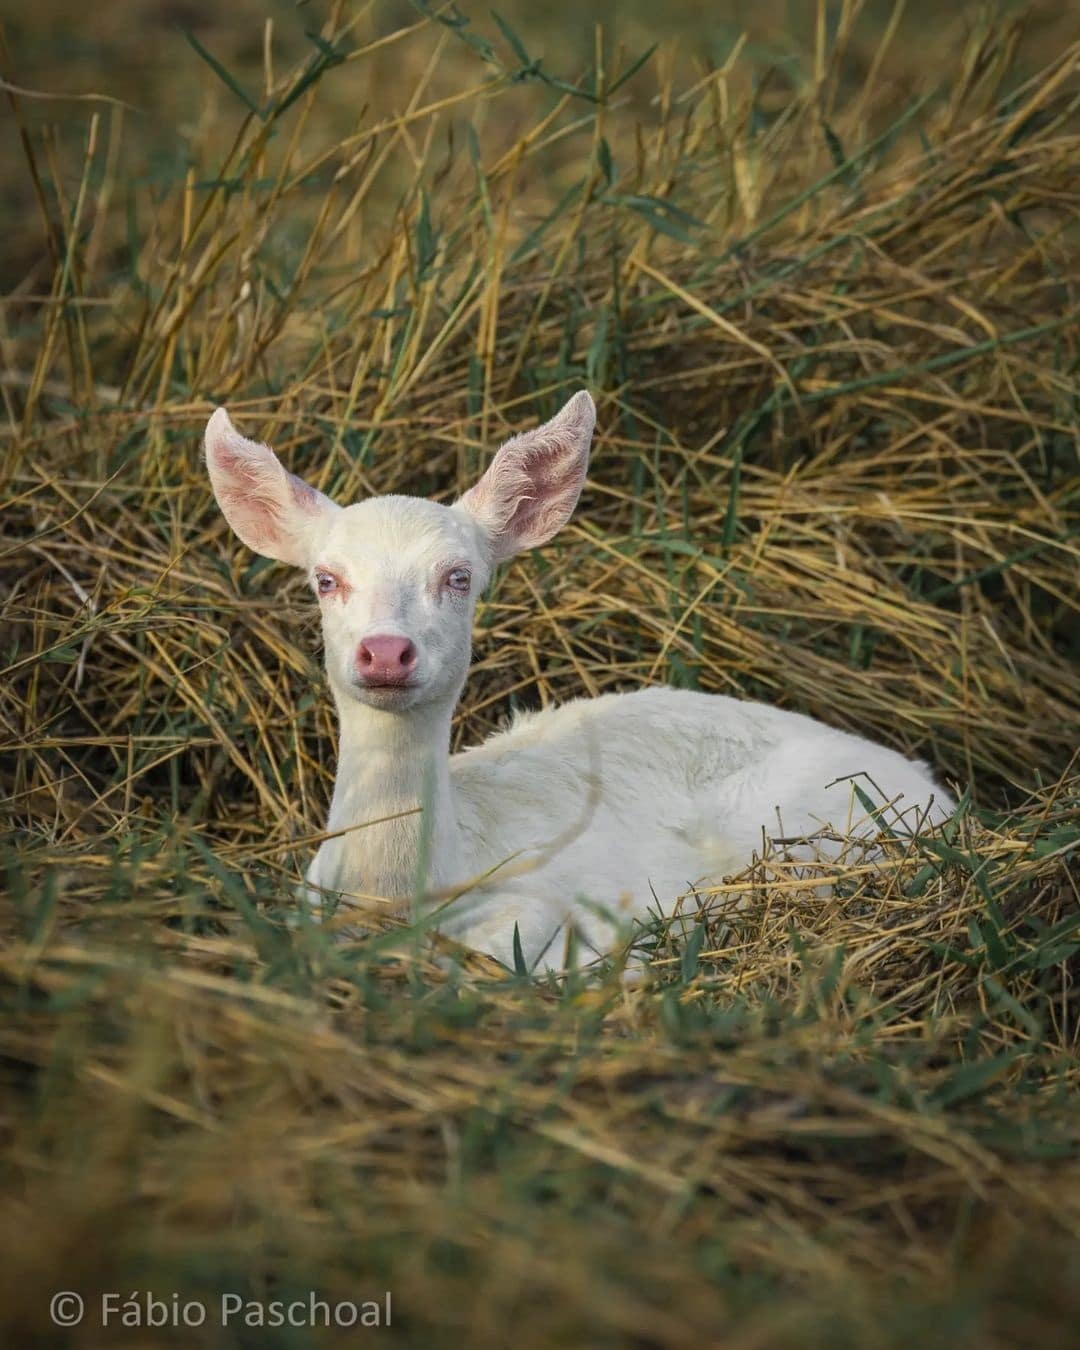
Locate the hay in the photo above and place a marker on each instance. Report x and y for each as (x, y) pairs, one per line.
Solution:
(831, 328)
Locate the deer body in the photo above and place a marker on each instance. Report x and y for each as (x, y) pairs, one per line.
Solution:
(592, 813)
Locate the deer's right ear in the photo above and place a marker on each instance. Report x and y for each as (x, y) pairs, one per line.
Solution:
(274, 512)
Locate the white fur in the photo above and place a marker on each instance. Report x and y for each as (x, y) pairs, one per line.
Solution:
(587, 815)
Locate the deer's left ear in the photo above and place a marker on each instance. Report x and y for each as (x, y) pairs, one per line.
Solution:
(533, 484)
(274, 512)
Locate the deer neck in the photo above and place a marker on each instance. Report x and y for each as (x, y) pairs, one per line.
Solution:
(393, 795)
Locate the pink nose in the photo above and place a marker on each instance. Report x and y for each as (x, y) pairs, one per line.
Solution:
(383, 660)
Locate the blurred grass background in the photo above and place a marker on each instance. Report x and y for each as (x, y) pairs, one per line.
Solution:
(818, 265)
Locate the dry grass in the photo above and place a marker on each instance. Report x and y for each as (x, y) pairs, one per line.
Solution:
(830, 320)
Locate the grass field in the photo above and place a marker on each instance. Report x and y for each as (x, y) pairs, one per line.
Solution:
(822, 281)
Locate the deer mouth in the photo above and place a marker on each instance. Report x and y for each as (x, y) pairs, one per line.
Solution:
(385, 693)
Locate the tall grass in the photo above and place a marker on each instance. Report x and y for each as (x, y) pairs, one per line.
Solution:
(828, 309)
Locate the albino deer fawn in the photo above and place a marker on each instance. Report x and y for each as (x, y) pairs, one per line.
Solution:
(586, 815)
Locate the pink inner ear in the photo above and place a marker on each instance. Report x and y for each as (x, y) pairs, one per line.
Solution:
(263, 506)
(533, 484)
(307, 499)
(529, 492)
(251, 494)
(554, 476)
(260, 499)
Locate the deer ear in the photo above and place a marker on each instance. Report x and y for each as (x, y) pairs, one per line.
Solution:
(532, 485)
(274, 512)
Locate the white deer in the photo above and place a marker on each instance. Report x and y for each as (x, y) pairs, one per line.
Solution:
(583, 816)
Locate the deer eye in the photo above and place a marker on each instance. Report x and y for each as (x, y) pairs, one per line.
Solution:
(459, 579)
(325, 583)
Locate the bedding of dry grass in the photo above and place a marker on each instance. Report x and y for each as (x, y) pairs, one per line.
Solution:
(827, 303)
